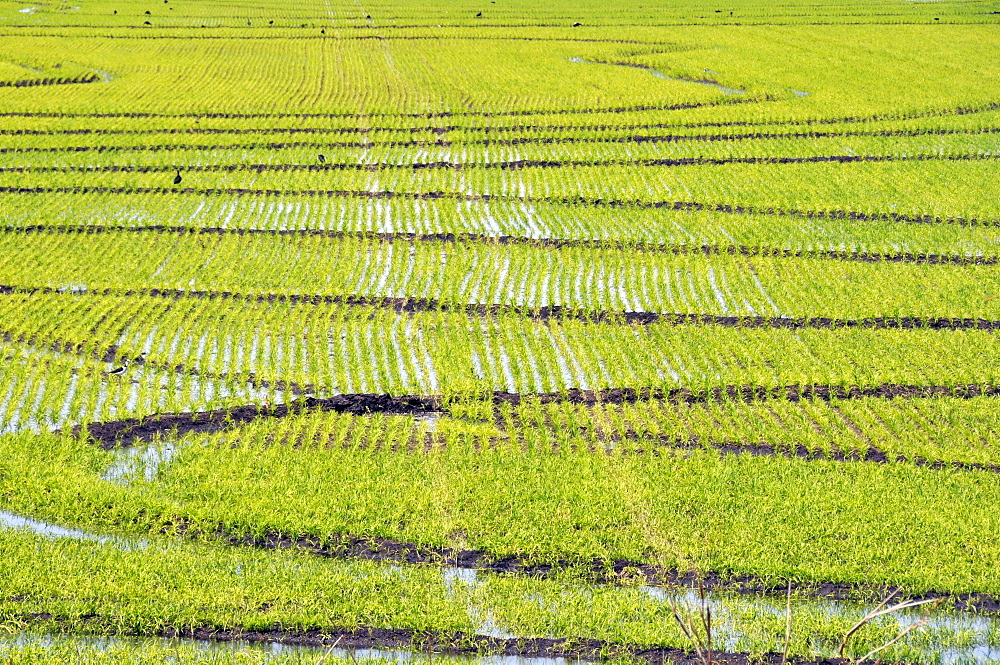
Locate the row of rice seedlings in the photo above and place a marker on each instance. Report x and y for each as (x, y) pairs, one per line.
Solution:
(457, 274)
(195, 148)
(534, 220)
(474, 128)
(946, 430)
(878, 189)
(342, 348)
(45, 390)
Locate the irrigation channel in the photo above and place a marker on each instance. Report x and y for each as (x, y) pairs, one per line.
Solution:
(953, 637)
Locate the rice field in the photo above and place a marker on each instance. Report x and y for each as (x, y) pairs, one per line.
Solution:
(499, 332)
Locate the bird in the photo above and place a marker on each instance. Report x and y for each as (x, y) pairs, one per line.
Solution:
(146, 23)
(118, 371)
(479, 14)
(322, 159)
(149, 13)
(368, 16)
(177, 178)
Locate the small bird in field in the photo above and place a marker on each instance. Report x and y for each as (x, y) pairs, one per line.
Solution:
(479, 15)
(322, 159)
(177, 178)
(118, 371)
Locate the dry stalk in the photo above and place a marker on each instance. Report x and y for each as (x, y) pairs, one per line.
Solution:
(788, 624)
(881, 610)
(701, 640)
(323, 658)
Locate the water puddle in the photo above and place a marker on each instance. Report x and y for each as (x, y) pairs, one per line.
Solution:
(271, 651)
(799, 93)
(27, 10)
(10, 520)
(143, 461)
(487, 624)
(429, 420)
(658, 74)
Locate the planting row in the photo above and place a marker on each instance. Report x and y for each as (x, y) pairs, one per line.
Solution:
(909, 190)
(338, 348)
(195, 149)
(536, 220)
(428, 275)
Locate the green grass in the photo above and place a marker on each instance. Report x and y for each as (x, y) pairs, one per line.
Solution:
(777, 518)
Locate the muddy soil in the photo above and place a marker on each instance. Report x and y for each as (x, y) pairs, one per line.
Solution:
(30, 83)
(129, 431)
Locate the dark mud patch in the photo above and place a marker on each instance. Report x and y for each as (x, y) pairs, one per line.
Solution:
(871, 454)
(556, 243)
(572, 201)
(129, 431)
(554, 312)
(31, 83)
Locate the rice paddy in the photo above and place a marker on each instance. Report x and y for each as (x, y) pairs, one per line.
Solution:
(499, 332)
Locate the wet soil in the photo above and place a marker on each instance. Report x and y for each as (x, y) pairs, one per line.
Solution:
(578, 201)
(871, 454)
(642, 246)
(118, 433)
